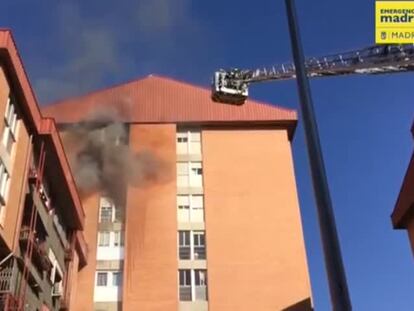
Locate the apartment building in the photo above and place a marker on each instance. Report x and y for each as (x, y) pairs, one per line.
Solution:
(403, 214)
(41, 217)
(217, 227)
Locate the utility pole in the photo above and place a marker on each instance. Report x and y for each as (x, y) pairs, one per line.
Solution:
(338, 287)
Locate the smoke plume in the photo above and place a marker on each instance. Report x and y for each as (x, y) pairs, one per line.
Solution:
(101, 159)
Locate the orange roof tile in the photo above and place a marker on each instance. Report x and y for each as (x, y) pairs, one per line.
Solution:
(157, 99)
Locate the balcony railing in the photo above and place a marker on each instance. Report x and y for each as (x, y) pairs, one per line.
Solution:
(8, 302)
(185, 293)
(201, 293)
(200, 252)
(57, 290)
(39, 255)
(5, 279)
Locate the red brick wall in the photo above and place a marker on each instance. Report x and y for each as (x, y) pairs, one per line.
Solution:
(150, 282)
(255, 249)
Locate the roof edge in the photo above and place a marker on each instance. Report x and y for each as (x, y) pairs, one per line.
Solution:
(400, 212)
(173, 80)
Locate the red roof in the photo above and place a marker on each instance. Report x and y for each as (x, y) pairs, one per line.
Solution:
(157, 99)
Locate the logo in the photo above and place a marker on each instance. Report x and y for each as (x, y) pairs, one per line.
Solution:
(394, 22)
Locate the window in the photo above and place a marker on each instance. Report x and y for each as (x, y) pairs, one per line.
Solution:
(195, 142)
(102, 279)
(10, 125)
(183, 206)
(106, 214)
(189, 174)
(106, 211)
(116, 279)
(184, 245)
(200, 280)
(192, 285)
(185, 285)
(189, 142)
(196, 174)
(182, 174)
(197, 208)
(190, 208)
(200, 277)
(182, 143)
(103, 238)
(199, 245)
(118, 238)
(182, 139)
(191, 245)
(4, 182)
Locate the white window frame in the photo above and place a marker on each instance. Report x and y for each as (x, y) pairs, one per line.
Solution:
(191, 207)
(107, 204)
(10, 125)
(104, 238)
(118, 238)
(119, 273)
(182, 238)
(188, 137)
(193, 284)
(110, 279)
(191, 244)
(4, 183)
(106, 278)
(192, 170)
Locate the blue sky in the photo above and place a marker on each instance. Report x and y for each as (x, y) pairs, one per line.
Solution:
(73, 47)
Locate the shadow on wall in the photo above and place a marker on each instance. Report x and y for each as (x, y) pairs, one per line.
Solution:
(304, 305)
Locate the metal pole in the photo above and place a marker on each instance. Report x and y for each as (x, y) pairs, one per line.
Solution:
(333, 260)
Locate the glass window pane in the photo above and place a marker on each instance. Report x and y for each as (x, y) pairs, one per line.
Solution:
(118, 238)
(199, 246)
(184, 249)
(116, 279)
(106, 214)
(102, 279)
(200, 277)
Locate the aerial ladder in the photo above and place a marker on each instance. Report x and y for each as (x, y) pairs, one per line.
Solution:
(231, 86)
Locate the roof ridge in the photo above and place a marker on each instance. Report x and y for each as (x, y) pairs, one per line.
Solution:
(168, 79)
(94, 92)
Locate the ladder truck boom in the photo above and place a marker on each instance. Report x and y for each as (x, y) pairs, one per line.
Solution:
(231, 86)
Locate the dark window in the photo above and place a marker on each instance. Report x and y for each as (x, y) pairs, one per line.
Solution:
(102, 279)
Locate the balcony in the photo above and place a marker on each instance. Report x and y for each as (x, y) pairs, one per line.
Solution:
(7, 299)
(185, 293)
(8, 302)
(184, 252)
(5, 279)
(39, 254)
(57, 290)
